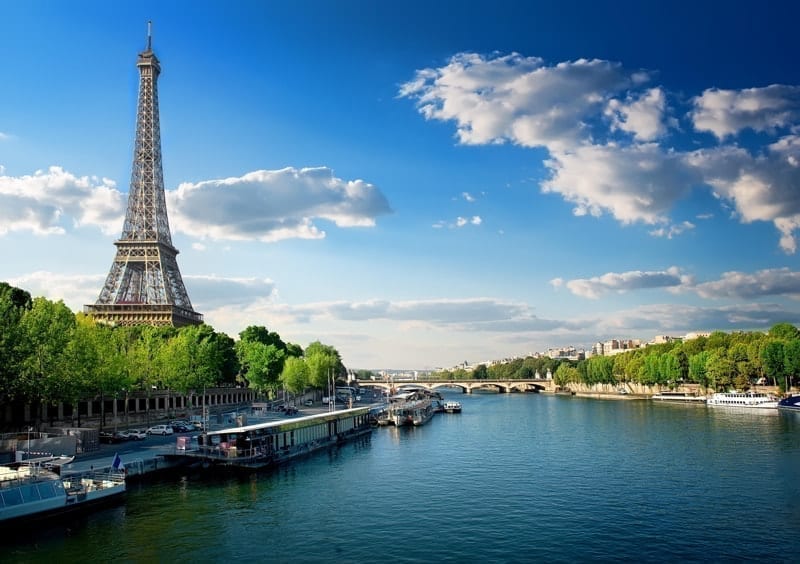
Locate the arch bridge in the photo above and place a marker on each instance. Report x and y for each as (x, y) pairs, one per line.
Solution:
(466, 386)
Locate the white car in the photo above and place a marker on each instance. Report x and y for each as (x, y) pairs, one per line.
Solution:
(160, 430)
(136, 434)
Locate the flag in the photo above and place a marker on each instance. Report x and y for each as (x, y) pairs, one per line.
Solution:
(117, 463)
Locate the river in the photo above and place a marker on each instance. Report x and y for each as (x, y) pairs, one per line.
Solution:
(514, 478)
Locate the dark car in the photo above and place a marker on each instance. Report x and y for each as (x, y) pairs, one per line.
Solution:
(111, 438)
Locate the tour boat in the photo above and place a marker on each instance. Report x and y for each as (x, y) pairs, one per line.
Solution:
(678, 396)
(30, 490)
(791, 403)
(452, 407)
(744, 399)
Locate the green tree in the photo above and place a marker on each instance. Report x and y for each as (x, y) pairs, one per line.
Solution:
(295, 375)
(773, 358)
(480, 372)
(565, 374)
(323, 365)
(47, 328)
(791, 363)
(720, 370)
(784, 331)
(697, 369)
(13, 304)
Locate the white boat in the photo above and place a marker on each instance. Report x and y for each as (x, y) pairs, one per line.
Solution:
(452, 407)
(30, 490)
(407, 408)
(758, 400)
(678, 396)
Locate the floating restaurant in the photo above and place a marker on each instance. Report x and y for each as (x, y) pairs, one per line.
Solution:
(267, 444)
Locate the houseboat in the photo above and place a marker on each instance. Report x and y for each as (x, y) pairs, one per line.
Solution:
(274, 442)
(30, 490)
(408, 408)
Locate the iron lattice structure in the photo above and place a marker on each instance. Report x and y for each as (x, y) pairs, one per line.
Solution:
(144, 286)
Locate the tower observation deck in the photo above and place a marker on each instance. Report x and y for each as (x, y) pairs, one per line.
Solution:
(144, 285)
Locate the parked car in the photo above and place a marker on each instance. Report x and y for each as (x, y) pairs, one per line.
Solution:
(160, 430)
(136, 434)
(309, 402)
(111, 438)
(181, 428)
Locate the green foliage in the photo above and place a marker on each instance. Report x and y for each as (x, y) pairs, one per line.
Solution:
(784, 331)
(295, 375)
(480, 372)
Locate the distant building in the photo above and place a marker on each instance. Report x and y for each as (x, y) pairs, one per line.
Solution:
(566, 353)
(696, 334)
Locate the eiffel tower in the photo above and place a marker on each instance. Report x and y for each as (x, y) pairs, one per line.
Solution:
(144, 286)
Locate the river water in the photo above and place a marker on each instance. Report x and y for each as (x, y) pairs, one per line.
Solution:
(514, 478)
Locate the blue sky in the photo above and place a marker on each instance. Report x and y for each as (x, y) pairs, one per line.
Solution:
(419, 183)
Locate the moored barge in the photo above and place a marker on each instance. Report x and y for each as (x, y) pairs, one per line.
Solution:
(271, 443)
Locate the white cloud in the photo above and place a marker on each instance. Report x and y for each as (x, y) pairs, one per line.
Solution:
(270, 206)
(211, 291)
(4, 137)
(522, 100)
(76, 290)
(672, 230)
(635, 183)
(620, 282)
(642, 115)
(762, 188)
(261, 205)
(200, 247)
(518, 99)
(742, 285)
(468, 197)
(42, 202)
(726, 112)
(680, 319)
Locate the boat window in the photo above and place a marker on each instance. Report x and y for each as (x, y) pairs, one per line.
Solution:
(46, 490)
(30, 493)
(12, 496)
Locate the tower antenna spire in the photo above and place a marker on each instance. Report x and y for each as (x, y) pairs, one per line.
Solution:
(149, 35)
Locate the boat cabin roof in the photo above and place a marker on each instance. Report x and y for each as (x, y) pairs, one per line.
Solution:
(293, 423)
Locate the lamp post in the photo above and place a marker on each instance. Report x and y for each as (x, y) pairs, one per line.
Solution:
(29, 441)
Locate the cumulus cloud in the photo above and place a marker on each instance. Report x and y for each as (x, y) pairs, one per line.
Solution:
(743, 285)
(641, 115)
(270, 205)
(262, 205)
(620, 282)
(573, 108)
(635, 183)
(726, 112)
(761, 188)
(468, 197)
(519, 99)
(46, 202)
